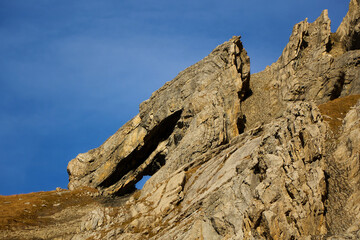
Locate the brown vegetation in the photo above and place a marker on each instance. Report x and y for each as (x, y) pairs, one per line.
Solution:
(334, 111)
(35, 209)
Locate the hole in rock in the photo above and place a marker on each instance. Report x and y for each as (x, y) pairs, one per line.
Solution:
(139, 185)
(158, 134)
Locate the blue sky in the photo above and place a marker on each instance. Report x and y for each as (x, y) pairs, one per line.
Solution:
(73, 72)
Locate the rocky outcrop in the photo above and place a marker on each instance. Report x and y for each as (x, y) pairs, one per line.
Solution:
(288, 179)
(267, 183)
(199, 110)
(274, 155)
(349, 30)
(314, 66)
(234, 157)
(343, 178)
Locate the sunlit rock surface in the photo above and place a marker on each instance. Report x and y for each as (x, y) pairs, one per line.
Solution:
(273, 155)
(240, 156)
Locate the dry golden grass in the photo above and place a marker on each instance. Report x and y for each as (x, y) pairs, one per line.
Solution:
(35, 209)
(334, 111)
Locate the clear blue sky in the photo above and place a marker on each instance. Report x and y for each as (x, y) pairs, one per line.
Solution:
(73, 72)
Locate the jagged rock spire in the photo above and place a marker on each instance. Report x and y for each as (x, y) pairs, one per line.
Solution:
(349, 29)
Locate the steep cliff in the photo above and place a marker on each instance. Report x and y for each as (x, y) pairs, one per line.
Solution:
(274, 155)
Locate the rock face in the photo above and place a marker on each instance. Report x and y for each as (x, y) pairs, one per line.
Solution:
(197, 111)
(267, 182)
(274, 155)
(239, 157)
(349, 30)
(343, 177)
(314, 66)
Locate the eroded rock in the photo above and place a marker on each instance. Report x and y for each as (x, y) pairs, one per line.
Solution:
(239, 158)
(230, 157)
(199, 110)
(349, 29)
(314, 66)
(270, 183)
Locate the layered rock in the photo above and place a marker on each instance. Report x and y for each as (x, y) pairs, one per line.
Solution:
(343, 168)
(349, 29)
(234, 157)
(199, 110)
(314, 66)
(269, 182)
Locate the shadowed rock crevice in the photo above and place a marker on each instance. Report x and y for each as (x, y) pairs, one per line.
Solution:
(138, 156)
(304, 43)
(355, 41)
(338, 86)
(241, 124)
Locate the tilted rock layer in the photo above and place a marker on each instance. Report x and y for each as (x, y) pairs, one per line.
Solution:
(197, 111)
(234, 156)
(274, 155)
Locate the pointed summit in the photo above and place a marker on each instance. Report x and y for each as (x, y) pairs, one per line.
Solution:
(349, 29)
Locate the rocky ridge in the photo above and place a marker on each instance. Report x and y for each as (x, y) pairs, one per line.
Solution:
(274, 155)
(197, 111)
